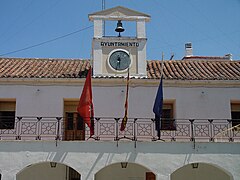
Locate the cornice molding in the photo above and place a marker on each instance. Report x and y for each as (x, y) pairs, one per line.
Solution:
(120, 82)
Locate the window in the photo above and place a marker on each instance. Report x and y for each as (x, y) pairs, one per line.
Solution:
(71, 117)
(73, 175)
(235, 113)
(167, 122)
(74, 127)
(7, 114)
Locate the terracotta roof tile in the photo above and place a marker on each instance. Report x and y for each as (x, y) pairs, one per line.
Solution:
(208, 58)
(43, 68)
(195, 69)
(213, 69)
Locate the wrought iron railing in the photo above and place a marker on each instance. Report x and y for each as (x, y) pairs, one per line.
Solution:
(137, 129)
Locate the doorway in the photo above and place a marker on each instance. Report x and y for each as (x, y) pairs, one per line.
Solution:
(48, 170)
(125, 171)
(74, 126)
(200, 171)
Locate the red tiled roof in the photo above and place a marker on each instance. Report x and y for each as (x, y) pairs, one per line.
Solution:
(77, 68)
(43, 68)
(226, 57)
(195, 69)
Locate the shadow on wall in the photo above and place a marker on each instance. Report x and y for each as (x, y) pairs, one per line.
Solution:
(44, 170)
(199, 171)
(124, 170)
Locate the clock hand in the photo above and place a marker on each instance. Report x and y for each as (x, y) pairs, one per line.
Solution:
(118, 62)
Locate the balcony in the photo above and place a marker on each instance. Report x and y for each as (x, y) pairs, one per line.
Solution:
(107, 129)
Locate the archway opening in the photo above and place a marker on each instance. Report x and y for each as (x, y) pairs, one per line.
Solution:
(124, 171)
(48, 170)
(200, 171)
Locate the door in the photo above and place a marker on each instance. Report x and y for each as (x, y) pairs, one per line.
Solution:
(74, 127)
(73, 175)
(150, 176)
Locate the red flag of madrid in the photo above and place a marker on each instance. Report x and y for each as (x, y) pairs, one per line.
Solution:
(85, 106)
(125, 118)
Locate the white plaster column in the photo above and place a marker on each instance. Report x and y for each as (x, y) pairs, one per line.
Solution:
(142, 63)
(97, 58)
(141, 32)
(98, 28)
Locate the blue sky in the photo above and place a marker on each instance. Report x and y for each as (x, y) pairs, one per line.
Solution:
(61, 29)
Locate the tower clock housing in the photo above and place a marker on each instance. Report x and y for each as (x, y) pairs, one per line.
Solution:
(114, 55)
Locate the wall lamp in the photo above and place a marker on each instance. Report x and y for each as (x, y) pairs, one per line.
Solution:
(53, 164)
(194, 165)
(124, 164)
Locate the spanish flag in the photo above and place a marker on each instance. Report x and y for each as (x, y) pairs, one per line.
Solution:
(125, 118)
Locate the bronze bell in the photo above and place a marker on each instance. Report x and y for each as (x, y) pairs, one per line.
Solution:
(119, 27)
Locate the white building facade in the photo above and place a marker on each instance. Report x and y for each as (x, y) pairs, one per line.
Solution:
(46, 139)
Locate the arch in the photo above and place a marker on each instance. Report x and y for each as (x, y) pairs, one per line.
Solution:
(199, 171)
(44, 170)
(124, 170)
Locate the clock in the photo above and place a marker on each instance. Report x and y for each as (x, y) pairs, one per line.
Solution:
(119, 60)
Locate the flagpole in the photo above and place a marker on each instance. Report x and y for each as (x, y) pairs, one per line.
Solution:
(91, 60)
(162, 65)
(158, 104)
(125, 118)
(159, 133)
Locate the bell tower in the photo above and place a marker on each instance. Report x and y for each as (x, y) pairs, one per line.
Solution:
(113, 55)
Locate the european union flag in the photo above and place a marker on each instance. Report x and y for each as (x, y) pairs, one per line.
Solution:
(157, 108)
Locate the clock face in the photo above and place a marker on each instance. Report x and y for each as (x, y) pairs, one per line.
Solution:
(119, 60)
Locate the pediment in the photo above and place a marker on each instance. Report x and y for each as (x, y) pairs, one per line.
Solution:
(119, 12)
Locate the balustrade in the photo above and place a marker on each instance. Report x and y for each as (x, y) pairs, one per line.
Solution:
(137, 129)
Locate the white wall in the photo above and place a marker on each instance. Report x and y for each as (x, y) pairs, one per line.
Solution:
(42, 171)
(90, 157)
(201, 102)
(116, 172)
(203, 171)
(161, 158)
